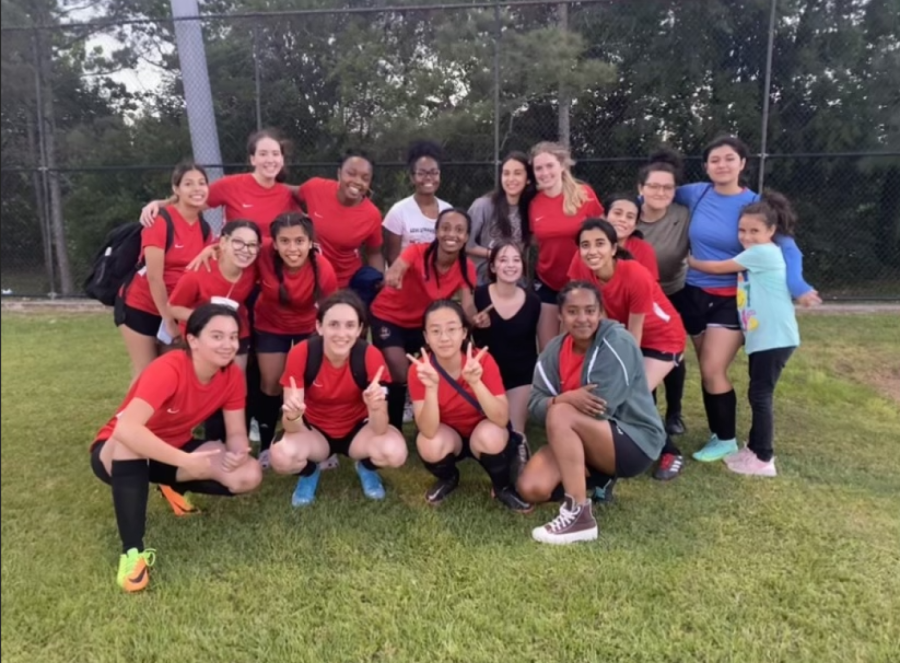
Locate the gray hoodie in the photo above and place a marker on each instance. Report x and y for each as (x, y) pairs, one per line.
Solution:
(615, 364)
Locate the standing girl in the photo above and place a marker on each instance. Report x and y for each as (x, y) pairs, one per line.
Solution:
(142, 308)
(423, 273)
(293, 280)
(767, 319)
(556, 214)
(460, 408)
(507, 322)
(502, 216)
(413, 220)
(711, 315)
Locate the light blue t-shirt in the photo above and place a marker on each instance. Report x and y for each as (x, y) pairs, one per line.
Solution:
(764, 303)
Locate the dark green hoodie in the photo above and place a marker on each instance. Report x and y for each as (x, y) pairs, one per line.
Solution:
(615, 364)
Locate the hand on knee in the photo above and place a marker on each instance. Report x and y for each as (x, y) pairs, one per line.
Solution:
(244, 479)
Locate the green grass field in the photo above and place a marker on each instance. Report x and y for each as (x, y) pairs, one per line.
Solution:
(712, 567)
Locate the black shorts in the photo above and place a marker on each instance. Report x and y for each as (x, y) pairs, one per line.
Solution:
(269, 343)
(702, 310)
(388, 335)
(545, 293)
(161, 473)
(340, 445)
(630, 460)
(670, 357)
(145, 324)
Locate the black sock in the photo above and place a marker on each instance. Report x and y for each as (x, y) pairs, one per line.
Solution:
(396, 401)
(497, 467)
(670, 447)
(204, 487)
(726, 413)
(674, 382)
(368, 464)
(558, 494)
(653, 393)
(130, 489)
(268, 414)
(309, 469)
(710, 409)
(444, 468)
(214, 427)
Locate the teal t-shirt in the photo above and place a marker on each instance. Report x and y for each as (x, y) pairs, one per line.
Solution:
(764, 303)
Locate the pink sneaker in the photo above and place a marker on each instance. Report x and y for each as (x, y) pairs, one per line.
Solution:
(740, 457)
(753, 466)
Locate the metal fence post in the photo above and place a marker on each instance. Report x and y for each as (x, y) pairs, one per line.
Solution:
(42, 194)
(767, 93)
(498, 33)
(256, 74)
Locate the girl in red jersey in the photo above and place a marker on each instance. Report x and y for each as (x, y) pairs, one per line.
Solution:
(149, 440)
(343, 410)
(258, 196)
(555, 215)
(623, 212)
(230, 281)
(344, 217)
(460, 408)
(293, 279)
(143, 311)
(422, 274)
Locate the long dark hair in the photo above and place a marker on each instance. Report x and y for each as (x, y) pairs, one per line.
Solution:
(432, 250)
(495, 251)
(776, 210)
(293, 220)
(607, 229)
(283, 144)
(735, 144)
(183, 168)
(204, 313)
(501, 204)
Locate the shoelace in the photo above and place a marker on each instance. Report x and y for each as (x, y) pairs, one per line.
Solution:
(563, 520)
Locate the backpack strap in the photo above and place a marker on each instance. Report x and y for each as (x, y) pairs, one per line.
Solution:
(315, 355)
(700, 199)
(358, 364)
(170, 227)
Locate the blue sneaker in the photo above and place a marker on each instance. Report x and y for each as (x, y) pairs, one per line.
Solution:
(604, 495)
(716, 449)
(371, 482)
(305, 492)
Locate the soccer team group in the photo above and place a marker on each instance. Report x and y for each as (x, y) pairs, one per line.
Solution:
(271, 320)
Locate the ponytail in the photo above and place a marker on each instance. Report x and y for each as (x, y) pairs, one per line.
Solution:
(776, 210)
(574, 193)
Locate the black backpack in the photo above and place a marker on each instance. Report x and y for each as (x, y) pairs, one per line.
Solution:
(315, 349)
(118, 259)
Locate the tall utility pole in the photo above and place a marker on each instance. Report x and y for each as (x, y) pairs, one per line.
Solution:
(565, 100)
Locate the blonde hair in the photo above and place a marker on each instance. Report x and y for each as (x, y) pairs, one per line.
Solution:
(574, 192)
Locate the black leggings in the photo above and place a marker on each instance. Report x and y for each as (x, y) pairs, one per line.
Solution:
(765, 369)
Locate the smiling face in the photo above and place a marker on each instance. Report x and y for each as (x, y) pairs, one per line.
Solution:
(218, 341)
(268, 159)
(513, 177)
(753, 229)
(547, 172)
(293, 245)
(507, 265)
(240, 247)
(354, 179)
(659, 190)
(444, 333)
(580, 314)
(192, 190)
(724, 166)
(623, 215)
(426, 176)
(452, 232)
(340, 328)
(595, 249)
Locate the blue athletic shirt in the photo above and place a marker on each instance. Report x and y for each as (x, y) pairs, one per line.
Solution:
(714, 236)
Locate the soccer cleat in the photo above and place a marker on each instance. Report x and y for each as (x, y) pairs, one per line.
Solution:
(716, 449)
(180, 504)
(441, 489)
(511, 499)
(574, 523)
(604, 494)
(305, 492)
(329, 463)
(670, 466)
(134, 569)
(265, 459)
(372, 486)
(675, 424)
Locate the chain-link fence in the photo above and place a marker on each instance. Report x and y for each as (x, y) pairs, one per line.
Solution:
(93, 110)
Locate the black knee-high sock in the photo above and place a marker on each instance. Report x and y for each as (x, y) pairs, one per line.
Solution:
(670, 447)
(674, 382)
(710, 408)
(444, 468)
(130, 488)
(253, 390)
(204, 487)
(726, 413)
(268, 413)
(497, 468)
(396, 401)
(214, 427)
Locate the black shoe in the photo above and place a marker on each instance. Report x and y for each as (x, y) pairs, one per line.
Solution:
(509, 498)
(441, 489)
(604, 495)
(675, 424)
(670, 466)
(520, 454)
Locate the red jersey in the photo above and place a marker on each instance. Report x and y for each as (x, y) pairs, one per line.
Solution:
(632, 289)
(406, 307)
(245, 198)
(298, 317)
(334, 402)
(455, 411)
(570, 365)
(199, 287)
(341, 230)
(187, 242)
(556, 234)
(644, 253)
(179, 400)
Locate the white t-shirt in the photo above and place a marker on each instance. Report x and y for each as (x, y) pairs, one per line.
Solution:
(406, 220)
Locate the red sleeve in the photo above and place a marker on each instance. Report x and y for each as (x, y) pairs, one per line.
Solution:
(157, 384)
(218, 193)
(413, 252)
(187, 292)
(646, 255)
(376, 237)
(374, 361)
(414, 384)
(593, 206)
(490, 376)
(574, 270)
(327, 278)
(237, 389)
(640, 290)
(295, 366)
(302, 192)
(155, 235)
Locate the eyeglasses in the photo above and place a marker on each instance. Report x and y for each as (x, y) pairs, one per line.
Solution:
(241, 245)
(449, 331)
(427, 173)
(668, 188)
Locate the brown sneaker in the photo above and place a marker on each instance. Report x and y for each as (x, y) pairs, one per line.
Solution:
(575, 522)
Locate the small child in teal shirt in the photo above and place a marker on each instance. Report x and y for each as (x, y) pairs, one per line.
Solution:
(767, 319)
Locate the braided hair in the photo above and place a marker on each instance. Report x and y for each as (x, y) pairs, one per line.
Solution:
(293, 220)
(432, 251)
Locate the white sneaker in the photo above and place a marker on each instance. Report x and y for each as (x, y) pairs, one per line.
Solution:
(254, 431)
(264, 461)
(329, 463)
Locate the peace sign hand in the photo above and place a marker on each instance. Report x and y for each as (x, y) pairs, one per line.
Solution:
(482, 319)
(426, 373)
(293, 406)
(473, 370)
(375, 393)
